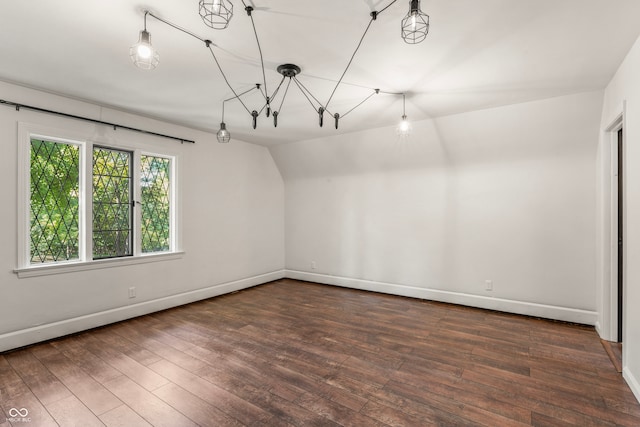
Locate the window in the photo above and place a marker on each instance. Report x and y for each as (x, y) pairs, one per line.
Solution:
(156, 203)
(112, 208)
(55, 191)
(86, 202)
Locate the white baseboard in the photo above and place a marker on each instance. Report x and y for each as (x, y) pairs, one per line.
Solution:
(599, 330)
(633, 382)
(48, 331)
(510, 306)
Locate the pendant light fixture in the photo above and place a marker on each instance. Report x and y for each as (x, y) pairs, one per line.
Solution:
(415, 26)
(223, 135)
(143, 54)
(404, 127)
(216, 13)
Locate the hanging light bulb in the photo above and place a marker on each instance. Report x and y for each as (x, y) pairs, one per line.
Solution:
(223, 135)
(142, 53)
(216, 7)
(404, 127)
(216, 13)
(415, 26)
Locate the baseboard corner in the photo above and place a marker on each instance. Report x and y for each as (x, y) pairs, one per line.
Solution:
(632, 381)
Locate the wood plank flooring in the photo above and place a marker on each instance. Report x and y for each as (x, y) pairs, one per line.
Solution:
(292, 353)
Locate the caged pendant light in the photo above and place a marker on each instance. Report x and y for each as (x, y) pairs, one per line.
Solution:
(143, 54)
(216, 13)
(415, 26)
(223, 134)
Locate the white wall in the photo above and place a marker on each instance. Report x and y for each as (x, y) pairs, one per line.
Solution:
(624, 89)
(504, 194)
(232, 199)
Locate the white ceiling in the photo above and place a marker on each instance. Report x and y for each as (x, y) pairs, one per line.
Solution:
(478, 54)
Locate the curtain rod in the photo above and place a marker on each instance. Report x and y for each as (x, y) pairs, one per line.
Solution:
(87, 119)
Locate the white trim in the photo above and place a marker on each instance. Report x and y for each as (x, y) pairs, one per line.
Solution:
(86, 143)
(567, 314)
(608, 330)
(73, 266)
(137, 208)
(25, 134)
(633, 382)
(23, 200)
(40, 333)
(613, 241)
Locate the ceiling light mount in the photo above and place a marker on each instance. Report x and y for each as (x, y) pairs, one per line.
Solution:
(289, 70)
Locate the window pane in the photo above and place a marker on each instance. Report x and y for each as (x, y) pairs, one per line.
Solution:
(55, 189)
(112, 218)
(156, 196)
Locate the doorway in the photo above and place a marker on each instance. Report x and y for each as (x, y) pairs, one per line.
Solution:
(612, 328)
(620, 209)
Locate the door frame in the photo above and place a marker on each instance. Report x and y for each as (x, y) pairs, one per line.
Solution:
(610, 288)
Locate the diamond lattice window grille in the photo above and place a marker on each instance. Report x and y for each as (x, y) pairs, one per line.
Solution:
(155, 184)
(54, 201)
(112, 213)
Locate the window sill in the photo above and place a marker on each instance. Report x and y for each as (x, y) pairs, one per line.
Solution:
(72, 267)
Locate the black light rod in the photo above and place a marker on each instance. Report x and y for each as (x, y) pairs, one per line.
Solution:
(177, 27)
(249, 9)
(362, 102)
(386, 7)
(257, 86)
(87, 119)
(224, 76)
(238, 97)
(350, 61)
(305, 94)
(285, 95)
(374, 16)
(208, 44)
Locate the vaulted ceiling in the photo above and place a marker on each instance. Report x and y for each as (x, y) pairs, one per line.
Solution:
(478, 54)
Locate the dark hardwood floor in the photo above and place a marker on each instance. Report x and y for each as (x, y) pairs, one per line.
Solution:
(296, 353)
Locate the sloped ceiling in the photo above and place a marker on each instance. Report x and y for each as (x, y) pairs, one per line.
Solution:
(478, 54)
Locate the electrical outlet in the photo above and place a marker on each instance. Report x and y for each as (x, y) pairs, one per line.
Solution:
(132, 292)
(313, 265)
(488, 285)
